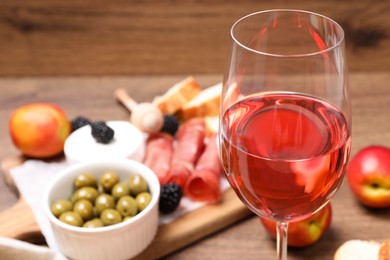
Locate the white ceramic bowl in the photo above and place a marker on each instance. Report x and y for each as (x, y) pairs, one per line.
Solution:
(121, 241)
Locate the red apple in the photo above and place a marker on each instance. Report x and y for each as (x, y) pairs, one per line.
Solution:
(369, 176)
(39, 130)
(305, 232)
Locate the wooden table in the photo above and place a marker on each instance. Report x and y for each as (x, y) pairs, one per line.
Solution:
(93, 97)
(84, 37)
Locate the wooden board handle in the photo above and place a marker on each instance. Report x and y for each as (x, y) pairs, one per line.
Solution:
(19, 222)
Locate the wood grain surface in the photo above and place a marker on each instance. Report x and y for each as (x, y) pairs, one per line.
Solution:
(85, 37)
(92, 97)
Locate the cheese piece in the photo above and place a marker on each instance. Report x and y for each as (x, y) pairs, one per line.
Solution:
(206, 103)
(178, 95)
(358, 250)
(128, 142)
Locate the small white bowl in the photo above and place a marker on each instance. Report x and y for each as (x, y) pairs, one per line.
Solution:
(120, 241)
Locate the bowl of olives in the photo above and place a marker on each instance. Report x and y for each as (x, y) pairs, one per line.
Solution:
(103, 209)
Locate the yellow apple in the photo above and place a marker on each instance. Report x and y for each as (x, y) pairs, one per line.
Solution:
(39, 130)
(369, 176)
(305, 232)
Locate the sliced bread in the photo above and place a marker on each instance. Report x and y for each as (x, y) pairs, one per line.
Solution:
(177, 96)
(205, 104)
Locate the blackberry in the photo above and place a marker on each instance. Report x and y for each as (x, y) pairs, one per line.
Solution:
(170, 197)
(79, 122)
(170, 125)
(102, 132)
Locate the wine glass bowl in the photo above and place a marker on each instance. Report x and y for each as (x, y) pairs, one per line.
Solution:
(285, 119)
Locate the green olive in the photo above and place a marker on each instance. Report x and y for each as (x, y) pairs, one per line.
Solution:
(137, 184)
(72, 218)
(95, 212)
(108, 180)
(104, 201)
(143, 199)
(94, 223)
(110, 217)
(120, 190)
(88, 193)
(85, 180)
(61, 206)
(127, 206)
(127, 218)
(84, 208)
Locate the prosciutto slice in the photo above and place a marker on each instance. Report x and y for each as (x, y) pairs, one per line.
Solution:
(189, 146)
(158, 154)
(204, 183)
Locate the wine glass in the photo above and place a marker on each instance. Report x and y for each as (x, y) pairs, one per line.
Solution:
(285, 119)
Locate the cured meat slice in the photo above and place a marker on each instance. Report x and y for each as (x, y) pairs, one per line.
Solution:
(204, 183)
(158, 154)
(190, 145)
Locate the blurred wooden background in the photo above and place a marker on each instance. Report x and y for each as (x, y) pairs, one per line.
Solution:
(85, 37)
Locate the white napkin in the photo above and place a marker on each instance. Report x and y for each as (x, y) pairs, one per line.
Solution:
(12, 249)
(32, 177)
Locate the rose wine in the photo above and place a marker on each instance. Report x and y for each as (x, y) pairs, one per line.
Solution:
(284, 154)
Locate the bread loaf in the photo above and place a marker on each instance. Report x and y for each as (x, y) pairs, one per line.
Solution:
(358, 250)
(384, 250)
(177, 96)
(205, 104)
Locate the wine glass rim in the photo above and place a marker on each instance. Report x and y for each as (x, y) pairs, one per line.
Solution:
(334, 46)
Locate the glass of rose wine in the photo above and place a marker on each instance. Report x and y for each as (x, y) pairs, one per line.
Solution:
(285, 119)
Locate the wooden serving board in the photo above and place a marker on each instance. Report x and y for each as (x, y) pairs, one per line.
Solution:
(19, 222)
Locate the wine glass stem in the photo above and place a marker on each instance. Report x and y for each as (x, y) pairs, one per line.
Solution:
(281, 237)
